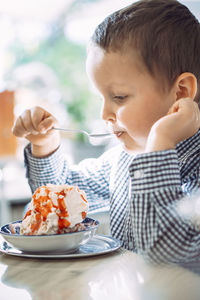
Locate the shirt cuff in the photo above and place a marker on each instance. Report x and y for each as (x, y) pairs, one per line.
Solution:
(153, 171)
(46, 168)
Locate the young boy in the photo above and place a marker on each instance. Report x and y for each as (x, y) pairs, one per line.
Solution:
(144, 61)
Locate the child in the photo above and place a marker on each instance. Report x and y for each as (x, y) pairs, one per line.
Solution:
(144, 61)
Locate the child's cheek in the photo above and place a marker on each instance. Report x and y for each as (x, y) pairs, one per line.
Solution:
(123, 118)
(127, 120)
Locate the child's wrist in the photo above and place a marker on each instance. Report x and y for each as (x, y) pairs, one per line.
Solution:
(46, 149)
(43, 151)
(159, 143)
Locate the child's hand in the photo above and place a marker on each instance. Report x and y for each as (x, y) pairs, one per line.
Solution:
(36, 125)
(181, 122)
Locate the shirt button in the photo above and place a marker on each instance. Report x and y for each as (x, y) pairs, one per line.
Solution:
(138, 174)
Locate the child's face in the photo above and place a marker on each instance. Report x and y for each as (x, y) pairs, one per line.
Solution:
(132, 100)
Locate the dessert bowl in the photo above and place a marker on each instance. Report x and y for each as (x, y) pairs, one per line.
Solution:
(66, 242)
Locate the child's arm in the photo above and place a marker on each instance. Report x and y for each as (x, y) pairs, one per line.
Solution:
(45, 162)
(160, 231)
(159, 182)
(91, 175)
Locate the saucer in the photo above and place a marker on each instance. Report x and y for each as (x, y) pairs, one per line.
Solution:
(97, 245)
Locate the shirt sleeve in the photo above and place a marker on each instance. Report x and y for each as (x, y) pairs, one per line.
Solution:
(91, 175)
(155, 227)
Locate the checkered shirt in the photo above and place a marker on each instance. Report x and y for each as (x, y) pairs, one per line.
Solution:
(140, 191)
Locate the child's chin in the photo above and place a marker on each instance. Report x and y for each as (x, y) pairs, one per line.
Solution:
(127, 148)
(132, 148)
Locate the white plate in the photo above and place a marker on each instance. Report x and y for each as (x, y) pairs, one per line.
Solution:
(98, 245)
(67, 242)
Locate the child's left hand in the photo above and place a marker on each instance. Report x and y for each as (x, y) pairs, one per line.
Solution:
(181, 122)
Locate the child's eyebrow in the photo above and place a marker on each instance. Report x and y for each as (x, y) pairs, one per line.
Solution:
(118, 84)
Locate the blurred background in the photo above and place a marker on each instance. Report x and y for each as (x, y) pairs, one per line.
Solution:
(42, 62)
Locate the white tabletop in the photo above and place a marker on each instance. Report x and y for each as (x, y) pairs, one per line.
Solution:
(121, 275)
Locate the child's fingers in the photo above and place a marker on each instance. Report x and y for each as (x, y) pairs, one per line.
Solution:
(42, 119)
(47, 124)
(197, 114)
(34, 122)
(37, 115)
(174, 108)
(27, 122)
(19, 129)
(181, 104)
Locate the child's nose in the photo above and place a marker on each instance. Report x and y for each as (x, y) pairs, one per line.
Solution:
(107, 112)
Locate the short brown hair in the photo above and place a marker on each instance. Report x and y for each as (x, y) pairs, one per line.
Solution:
(165, 33)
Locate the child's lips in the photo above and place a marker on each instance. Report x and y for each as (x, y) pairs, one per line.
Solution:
(118, 133)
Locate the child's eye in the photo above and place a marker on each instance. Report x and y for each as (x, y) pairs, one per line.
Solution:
(120, 98)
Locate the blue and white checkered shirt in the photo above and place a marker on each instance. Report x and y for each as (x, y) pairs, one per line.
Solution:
(141, 191)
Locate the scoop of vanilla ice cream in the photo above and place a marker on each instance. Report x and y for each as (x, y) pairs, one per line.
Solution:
(75, 201)
(54, 208)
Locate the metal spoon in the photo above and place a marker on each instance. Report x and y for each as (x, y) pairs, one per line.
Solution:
(90, 135)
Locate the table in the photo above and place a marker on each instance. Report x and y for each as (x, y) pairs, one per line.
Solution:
(121, 275)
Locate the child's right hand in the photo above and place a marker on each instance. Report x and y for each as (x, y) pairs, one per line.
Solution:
(36, 125)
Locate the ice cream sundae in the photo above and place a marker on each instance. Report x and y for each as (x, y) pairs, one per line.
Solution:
(55, 209)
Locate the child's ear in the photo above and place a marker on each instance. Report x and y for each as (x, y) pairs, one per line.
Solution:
(185, 86)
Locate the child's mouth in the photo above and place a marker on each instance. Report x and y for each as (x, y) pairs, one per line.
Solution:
(118, 133)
